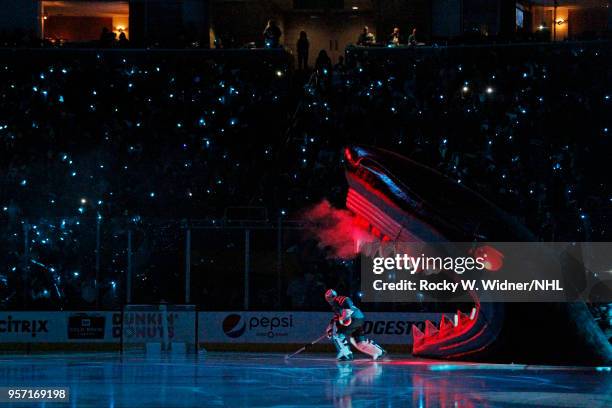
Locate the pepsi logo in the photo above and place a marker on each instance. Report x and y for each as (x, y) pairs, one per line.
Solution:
(234, 326)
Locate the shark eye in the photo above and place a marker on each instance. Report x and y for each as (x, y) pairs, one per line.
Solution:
(492, 258)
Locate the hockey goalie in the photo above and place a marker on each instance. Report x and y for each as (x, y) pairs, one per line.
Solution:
(347, 326)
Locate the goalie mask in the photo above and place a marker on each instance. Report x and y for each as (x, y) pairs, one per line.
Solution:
(330, 295)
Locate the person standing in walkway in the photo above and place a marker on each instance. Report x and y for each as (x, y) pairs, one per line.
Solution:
(303, 45)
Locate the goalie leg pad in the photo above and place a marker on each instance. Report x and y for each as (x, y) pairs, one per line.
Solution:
(344, 352)
(370, 348)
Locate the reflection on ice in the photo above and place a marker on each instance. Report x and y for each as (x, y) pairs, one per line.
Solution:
(262, 380)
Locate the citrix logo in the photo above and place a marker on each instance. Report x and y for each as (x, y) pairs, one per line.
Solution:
(23, 326)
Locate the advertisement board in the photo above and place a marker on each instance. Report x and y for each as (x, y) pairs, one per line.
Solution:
(261, 327)
(151, 325)
(302, 327)
(55, 327)
(233, 327)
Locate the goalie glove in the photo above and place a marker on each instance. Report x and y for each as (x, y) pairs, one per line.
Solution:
(345, 318)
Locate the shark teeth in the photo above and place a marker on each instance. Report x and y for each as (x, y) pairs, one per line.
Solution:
(430, 329)
(417, 334)
(446, 328)
(461, 318)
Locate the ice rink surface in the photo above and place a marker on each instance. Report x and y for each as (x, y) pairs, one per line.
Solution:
(308, 380)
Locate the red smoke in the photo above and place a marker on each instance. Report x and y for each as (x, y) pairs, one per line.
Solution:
(339, 231)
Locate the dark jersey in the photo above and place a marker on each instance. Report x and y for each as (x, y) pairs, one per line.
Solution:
(343, 307)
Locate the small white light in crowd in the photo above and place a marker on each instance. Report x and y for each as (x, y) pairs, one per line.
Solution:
(489, 90)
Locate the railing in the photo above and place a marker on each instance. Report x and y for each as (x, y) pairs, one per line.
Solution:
(462, 53)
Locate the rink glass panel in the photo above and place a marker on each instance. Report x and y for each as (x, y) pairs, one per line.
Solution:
(217, 268)
(12, 290)
(57, 262)
(158, 262)
(263, 269)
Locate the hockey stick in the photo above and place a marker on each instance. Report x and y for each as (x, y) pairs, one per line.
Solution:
(306, 347)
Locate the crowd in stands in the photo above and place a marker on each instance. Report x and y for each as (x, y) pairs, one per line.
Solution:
(93, 135)
(128, 142)
(528, 130)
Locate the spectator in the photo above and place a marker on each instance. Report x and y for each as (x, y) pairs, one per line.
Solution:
(394, 38)
(123, 40)
(340, 66)
(412, 40)
(106, 38)
(272, 35)
(302, 50)
(323, 63)
(366, 37)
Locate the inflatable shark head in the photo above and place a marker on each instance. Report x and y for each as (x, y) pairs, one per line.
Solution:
(405, 201)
